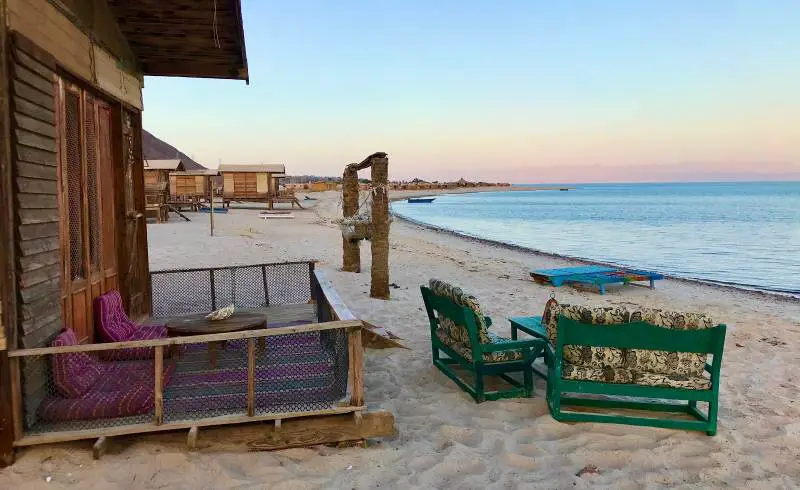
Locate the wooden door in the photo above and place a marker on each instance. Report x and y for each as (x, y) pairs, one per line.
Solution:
(108, 198)
(86, 165)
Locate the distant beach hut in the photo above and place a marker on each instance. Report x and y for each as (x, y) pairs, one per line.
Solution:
(156, 186)
(255, 183)
(190, 187)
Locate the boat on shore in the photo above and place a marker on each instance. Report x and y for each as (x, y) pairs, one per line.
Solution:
(421, 200)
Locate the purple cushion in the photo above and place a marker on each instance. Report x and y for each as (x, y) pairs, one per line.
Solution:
(73, 373)
(136, 399)
(114, 325)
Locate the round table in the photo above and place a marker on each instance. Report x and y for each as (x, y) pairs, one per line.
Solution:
(200, 325)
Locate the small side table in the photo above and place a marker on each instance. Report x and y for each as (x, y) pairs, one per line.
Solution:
(531, 325)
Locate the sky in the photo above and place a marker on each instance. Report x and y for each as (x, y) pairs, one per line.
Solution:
(505, 91)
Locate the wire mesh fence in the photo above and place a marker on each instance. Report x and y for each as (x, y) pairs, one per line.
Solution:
(188, 291)
(257, 376)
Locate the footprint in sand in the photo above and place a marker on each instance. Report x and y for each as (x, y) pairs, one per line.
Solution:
(462, 435)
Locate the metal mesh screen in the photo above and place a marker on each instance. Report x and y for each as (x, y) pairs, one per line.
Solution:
(181, 292)
(90, 132)
(299, 372)
(72, 127)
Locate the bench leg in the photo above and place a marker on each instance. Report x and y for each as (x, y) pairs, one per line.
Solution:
(652, 284)
(602, 289)
(480, 394)
(527, 375)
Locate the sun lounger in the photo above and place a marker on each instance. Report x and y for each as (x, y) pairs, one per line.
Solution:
(593, 275)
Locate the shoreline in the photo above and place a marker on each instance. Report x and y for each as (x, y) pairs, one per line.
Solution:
(777, 295)
(471, 190)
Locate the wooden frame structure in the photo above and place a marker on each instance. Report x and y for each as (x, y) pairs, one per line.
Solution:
(71, 166)
(190, 187)
(379, 223)
(255, 183)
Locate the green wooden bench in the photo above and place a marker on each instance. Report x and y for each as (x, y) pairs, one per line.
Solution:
(460, 331)
(677, 348)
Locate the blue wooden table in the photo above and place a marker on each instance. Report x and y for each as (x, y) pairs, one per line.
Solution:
(594, 275)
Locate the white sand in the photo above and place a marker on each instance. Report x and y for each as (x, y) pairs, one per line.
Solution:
(446, 440)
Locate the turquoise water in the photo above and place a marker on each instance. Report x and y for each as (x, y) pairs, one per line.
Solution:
(742, 234)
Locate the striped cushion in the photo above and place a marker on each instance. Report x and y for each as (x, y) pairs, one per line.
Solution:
(142, 333)
(73, 373)
(136, 399)
(115, 326)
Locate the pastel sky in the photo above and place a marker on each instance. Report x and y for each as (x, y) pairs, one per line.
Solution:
(517, 90)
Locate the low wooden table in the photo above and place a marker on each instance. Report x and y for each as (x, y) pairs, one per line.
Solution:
(200, 325)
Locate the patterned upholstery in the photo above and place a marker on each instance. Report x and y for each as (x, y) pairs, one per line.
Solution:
(457, 337)
(73, 373)
(115, 326)
(639, 366)
(89, 389)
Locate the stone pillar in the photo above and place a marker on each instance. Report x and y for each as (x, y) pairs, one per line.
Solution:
(379, 243)
(351, 251)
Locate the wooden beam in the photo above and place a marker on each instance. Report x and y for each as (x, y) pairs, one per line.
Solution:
(326, 430)
(197, 339)
(228, 70)
(100, 447)
(191, 439)
(159, 385)
(76, 435)
(340, 309)
(251, 377)
(356, 367)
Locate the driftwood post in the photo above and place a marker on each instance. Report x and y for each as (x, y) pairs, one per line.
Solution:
(351, 251)
(379, 242)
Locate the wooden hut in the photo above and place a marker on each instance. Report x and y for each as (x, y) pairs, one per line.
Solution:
(156, 187)
(254, 183)
(190, 187)
(71, 170)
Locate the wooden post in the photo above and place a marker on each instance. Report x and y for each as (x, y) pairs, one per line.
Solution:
(191, 439)
(159, 385)
(379, 243)
(211, 203)
(356, 366)
(251, 377)
(351, 250)
(99, 448)
(8, 317)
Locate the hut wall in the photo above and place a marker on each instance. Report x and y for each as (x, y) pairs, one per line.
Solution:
(62, 32)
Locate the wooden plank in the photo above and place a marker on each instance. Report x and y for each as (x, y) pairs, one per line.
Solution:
(16, 399)
(26, 60)
(41, 245)
(26, 46)
(36, 231)
(33, 140)
(356, 367)
(33, 216)
(34, 96)
(42, 319)
(35, 155)
(36, 261)
(37, 201)
(326, 430)
(29, 109)
(35, 171)
(159, 385)
(34, 125)
(191, 439)
(41, 289)
(99, 447)
(251, 377)
(43, 334)
(38, 276)
(340, 309)
(22, 74)
(196, 339)
(36, 186)
(63, 436)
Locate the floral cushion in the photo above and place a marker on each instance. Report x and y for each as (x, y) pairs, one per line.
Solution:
(459, 297)
(466, 352)
(653, 361)
(634, 376)
(75, 372)
(114, 324)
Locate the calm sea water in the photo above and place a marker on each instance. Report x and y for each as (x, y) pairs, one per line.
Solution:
(744, 234)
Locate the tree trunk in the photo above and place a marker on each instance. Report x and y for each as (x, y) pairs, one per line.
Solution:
(351, 251)
(380, 229)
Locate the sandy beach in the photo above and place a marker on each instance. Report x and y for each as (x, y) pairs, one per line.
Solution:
(444, 439)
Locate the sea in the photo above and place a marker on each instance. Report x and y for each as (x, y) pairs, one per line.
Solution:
(743, 234)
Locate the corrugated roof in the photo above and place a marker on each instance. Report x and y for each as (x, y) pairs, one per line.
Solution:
(162, 164)
(273, 169)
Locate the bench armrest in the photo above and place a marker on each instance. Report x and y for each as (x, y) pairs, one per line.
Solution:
(513, 345)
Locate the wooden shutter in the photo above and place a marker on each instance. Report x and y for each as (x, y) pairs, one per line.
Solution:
(35, 167)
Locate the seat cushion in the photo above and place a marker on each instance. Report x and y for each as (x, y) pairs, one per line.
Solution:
(136, 399)
(466, 352)
(459, 297)
(633, 376)
(137, 353)
(655, 361)
(74, 373)
(114, 325)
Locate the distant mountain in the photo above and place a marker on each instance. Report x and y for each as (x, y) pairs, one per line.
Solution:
(155, 149)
